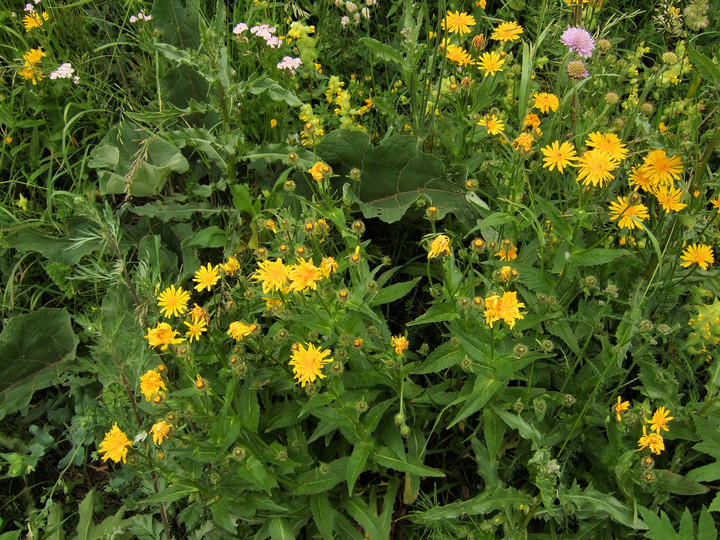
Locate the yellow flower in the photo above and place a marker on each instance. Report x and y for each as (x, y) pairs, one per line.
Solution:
(490, 63)
(164, 335)
(669, 198)
(231, 266)
(660, 419)
(32, 74)
(399, 343)
(654, 441)
(304, 276)
(524, 141)
(206, 277)
(239, 330)
(440, 246)
(319, 171)
(199, 382)
(270, 224)
(151, 383)
(355, 257)
(638, 179)
(160, 431)
(621, 407)
(458, 55)
(596, 168)
(558, 155)
(458, 23)
(328, 266)
(509, 255)
(195, 329)
(698, 253)
(173, 301)
(507, 31)
(115, 445)
(532, 120)
(610, 143)
(308, 363)
(492, 124)
(273, 123)
(33, 56)
(197, 313)
(34, 20)
(662, 169)
(546, 102)
(628, 215)
(273, 275)
(506, 308)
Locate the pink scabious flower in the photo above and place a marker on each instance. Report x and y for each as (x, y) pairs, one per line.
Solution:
(579, 40)
(576, 69)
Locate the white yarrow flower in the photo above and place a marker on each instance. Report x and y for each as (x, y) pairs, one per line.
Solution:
(240, 28)
(65, 71)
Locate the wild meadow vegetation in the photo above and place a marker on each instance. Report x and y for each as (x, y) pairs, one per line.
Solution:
(359, 270)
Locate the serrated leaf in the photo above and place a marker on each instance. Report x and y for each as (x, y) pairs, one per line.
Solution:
(172, 493)
(382, 51)
(596, 256)
(279, 529)
(443, 357)
(387, 458)
(315, 481)
(592, 501)
(676, 483)
(483, 389)
(393, 292)
(515, 421)
(704, 64)
(322, 514)
(439, 312)
(357, 462)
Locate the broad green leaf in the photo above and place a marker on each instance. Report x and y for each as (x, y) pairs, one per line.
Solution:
(317, 481)
(480, 505)
(387, 458)
(676, 483)
(445, 356)
(249, 407)
(280, 530)
(589, 502)
(243, 201)
(33, 348)
(439, 312)
(274, 91)
(357, 461)
(659, 528)
(704, 64)
(255, 472)
(706, 526)
(173, 210)
(322, 514)
(209, 237)
(393, 292)
(515, 421)
(85, 525)
(484, 388)
(82, 238)
(596, 256)
(172, 493)
(382, 51)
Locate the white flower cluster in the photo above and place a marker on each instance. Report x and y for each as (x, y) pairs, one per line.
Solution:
(352, 9)
(240, 28)
(65, 71)
(267, 32)
(290, 63)
(142, 16)
(29, 8)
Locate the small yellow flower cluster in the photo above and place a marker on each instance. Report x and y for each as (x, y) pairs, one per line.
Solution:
(654, 440)
(31, 71)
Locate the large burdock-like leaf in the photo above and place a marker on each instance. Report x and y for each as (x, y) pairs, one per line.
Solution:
(395, 174)
(32, 349)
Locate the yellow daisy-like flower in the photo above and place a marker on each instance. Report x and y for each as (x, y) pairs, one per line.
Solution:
(505, 308)
(546, 102)
(319, 171)
(532, 120)
(197, 313)
(34, 20)
(115, 445)
(160, 431)
(698, 253)
(399, 343)
(669, 198)
(273, 275)
(716, 203)
(660, 419)
(628, 215)
(621, 407)
(328, 266)
(458, 23)
(239, 330)
(490, 63)
(195, 329)
(162, 335)
(304, 276)
(308, 363)
(638, 179)
(32, 74)
(662, 169)
(654, 441)
(558, 155)
(458, 55)
(231, 266)
(524, 141)
(608, 142)
(492, 123)
(509, 255)
(33, 56)
(173, 301)
(151, 383)
(595, 167)
(440, 246)
(206, 277)
(507, 31)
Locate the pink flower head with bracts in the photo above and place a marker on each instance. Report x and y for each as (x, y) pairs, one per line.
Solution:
(579, 40)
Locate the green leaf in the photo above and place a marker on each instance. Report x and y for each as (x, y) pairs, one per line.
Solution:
(706, 526)
(515, 421)
(322, 514)
(445, 356)
(715, 504)
(209, 237)
(589, 502)
(85, 525)
(480, 505)
(676, 483)
(659, 528)
(393, 292)
(249, 408)
(68, 249)
(280, 530)
(255, 472)
(32, 350)
(387, 458)
(484, 388)
(172, 211)
(382, 51)
(316, 481)
(704, 64)
(356, 463)
(596, 256)
(439, 312)
(172, 493)
(242, 200)
(274, 91)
